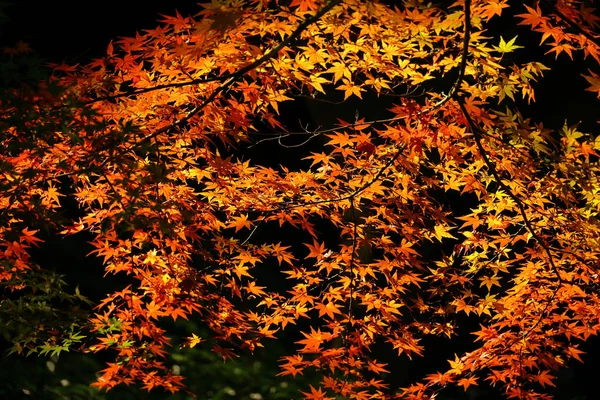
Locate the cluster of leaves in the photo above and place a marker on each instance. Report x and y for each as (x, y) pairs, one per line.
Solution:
(69, 376)
(144, 140)
(39, 314)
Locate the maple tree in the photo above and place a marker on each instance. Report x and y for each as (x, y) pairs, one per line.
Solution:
(149, 141)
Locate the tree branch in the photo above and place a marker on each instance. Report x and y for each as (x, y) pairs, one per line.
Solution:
(491, 167)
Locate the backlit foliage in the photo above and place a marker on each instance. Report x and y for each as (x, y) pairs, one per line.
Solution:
(149, 142)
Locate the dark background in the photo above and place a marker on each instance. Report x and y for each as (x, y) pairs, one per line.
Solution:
(79, 31)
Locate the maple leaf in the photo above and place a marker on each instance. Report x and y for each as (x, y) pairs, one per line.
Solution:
(466, 382)
(254, 289)
(177, 312)
(178, 22)
(470, 220)
(318, 158)
(571, 133)
(340, 139)
(246, 257)
(51, 195)
(533, 17)
(456, 366)
(575, 353)
(377, 367)
(29, 237)
(316, 81)
(241, 270)
(545, 379)
(558, 48)
(240, 223)
(441, 231)
(313, 340)
(594, 80)
(316, 394)
(281, 253)
(494, 8)
(489, 281)
(339, 70)
(329, 309)
(316, 250)
(350, 89)
(294, 365)
(153, 310)
(305, 5)
(507, 47)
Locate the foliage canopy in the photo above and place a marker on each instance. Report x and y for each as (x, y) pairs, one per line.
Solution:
(145, 151)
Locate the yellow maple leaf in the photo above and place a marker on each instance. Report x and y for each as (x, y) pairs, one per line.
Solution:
(441, 232)
(507, 47)
(193, 340)
(489, 281)
(350, 89)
